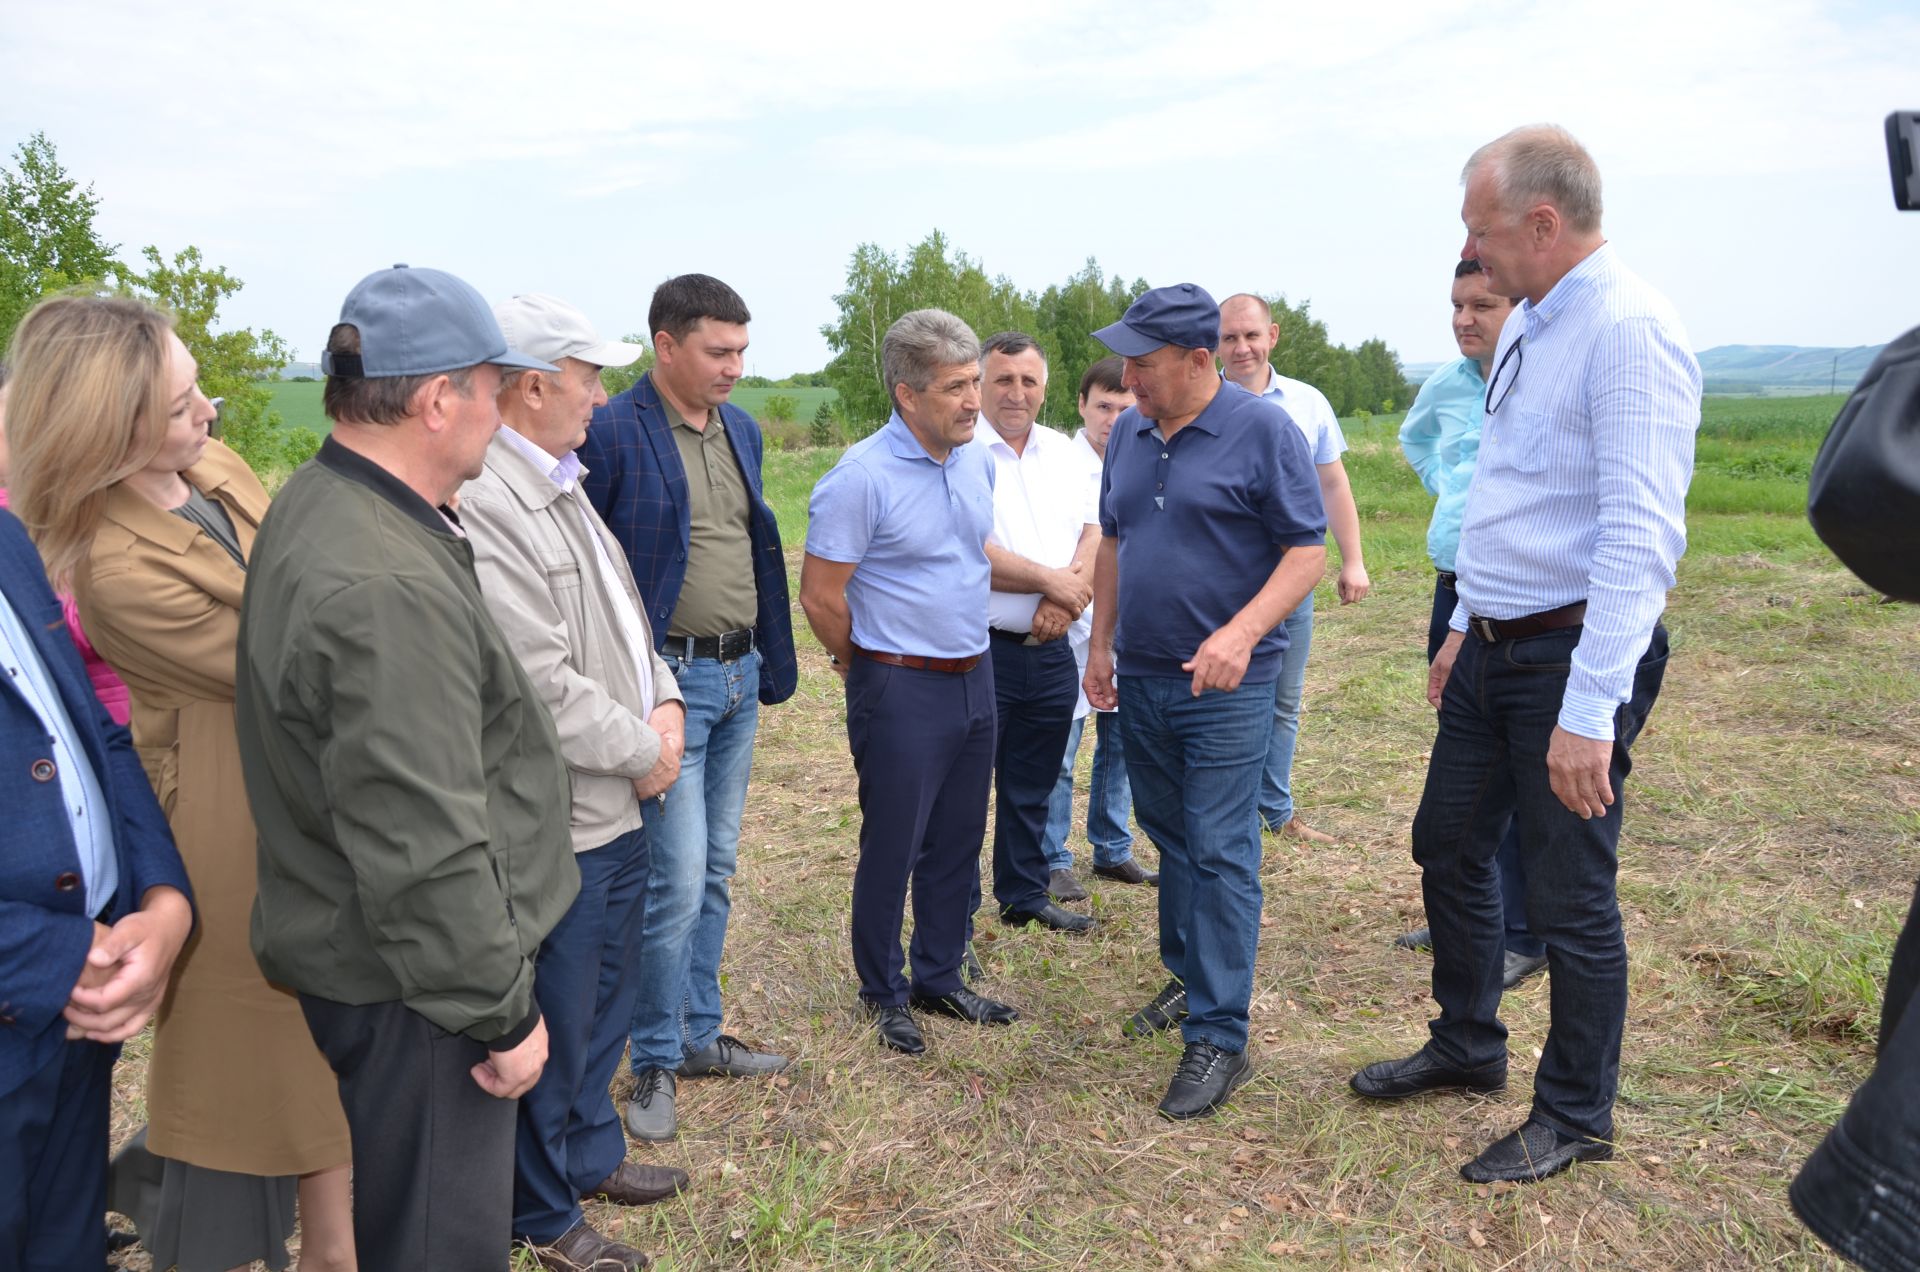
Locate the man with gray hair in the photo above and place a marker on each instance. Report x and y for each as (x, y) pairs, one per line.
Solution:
(561, 592)
(1574, 524)
(895, 585)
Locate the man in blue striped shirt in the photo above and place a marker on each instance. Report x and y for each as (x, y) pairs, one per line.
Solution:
(1574, 522)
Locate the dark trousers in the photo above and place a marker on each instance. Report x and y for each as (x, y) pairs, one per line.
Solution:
(1513, 874)
(1489, 767)
(432, 1152)
(1860, 1191)
(568, 1138)
(1035, 688)
(53, 1163)
(922, 745)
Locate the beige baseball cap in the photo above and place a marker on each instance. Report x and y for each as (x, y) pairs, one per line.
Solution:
(549, 328)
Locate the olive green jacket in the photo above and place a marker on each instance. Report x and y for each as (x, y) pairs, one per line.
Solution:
(404, 774)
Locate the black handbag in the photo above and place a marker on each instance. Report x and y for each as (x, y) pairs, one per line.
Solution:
(1864, 495)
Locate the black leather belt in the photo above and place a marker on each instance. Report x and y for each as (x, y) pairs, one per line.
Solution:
(1449, 580)
(1016, 638)
(725, 647)
(1553, 620)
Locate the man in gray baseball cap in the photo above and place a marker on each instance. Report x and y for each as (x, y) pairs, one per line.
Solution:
(403, 771)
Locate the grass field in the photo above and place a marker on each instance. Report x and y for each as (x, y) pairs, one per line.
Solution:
(1769, 851)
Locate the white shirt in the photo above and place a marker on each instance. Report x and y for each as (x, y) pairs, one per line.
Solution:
(1311, 413)
(1580, 491)
(565, 473)
(1081, 633)
(1042, 503)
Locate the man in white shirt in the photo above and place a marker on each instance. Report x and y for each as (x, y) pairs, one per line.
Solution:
(1041, 550)
(560, 589)
(1109, 799)
(1247, 336)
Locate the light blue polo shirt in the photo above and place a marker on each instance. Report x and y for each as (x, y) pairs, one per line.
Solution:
(916, 532)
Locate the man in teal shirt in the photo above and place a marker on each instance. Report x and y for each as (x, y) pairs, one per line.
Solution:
(1441, 439)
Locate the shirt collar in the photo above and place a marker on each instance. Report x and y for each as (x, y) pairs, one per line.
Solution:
(562, 472)
(1571, 284)
(904, 445)
(355, 467)
(1035, 441)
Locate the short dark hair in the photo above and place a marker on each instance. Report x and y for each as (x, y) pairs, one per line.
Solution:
(382, 400)
(1470, 266)
(1103, 375)
(1011, 343)
(679, 305)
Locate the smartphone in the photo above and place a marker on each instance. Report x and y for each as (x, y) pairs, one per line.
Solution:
(1903, 147)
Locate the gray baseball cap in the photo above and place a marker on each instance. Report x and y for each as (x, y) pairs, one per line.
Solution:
(420, 322)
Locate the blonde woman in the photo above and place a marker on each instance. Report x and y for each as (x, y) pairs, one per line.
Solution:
(149, 522)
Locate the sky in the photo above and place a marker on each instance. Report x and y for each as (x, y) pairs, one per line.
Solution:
(593, 149)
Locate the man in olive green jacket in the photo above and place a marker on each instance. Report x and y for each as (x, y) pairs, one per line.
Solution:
(560, 588)
(405, 777)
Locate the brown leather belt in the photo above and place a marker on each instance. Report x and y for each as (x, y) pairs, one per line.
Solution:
(952, 666)
(1552, 620)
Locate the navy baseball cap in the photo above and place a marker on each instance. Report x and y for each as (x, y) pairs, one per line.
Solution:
(1182, 315)
(420, 322)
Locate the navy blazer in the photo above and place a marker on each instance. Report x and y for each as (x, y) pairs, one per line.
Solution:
(638, 484)
(45, 930)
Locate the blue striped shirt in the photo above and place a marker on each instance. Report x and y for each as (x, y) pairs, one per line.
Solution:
(1581, 487)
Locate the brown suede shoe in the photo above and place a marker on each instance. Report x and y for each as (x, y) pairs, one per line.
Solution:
(581, 1249)
(635, 1185)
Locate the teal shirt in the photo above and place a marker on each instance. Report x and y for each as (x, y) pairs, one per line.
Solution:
(1441, 439)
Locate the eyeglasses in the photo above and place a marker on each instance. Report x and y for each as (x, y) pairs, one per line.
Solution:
(1514, 356)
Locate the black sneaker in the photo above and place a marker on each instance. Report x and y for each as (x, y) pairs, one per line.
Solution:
(1168, 1008)
(1206, 1076)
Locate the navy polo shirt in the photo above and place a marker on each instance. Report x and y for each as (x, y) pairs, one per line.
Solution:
(1202, 520)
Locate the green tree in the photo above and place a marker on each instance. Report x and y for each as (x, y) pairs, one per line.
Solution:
(620, 379)
(825, 426)
(238, 365)
(779, 407)
(47, 239)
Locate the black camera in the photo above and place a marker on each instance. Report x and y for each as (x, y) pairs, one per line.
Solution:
(1903, 140)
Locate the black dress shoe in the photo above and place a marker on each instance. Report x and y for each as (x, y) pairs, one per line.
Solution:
(1418, 939)
(1531, 1154)
(1420, 1073)
(1520, 966)
(970, 969)
(897, 1028)
(1048, 915)
(964, 1004)
(1062, 886)
(1129, 871)
(1204, 1079)
(1162, 1012)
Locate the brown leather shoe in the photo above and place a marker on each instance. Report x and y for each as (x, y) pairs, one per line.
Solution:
(635, 1185)
(581, 1249)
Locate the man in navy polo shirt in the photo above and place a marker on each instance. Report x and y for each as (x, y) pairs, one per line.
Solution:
(895, 585)
(1212, 531)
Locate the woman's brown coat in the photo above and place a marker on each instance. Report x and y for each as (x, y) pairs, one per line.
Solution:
(235, 1082)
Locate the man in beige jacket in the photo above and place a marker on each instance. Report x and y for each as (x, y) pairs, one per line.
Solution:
(561, 591)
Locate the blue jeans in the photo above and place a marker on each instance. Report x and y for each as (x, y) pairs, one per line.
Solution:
(1109, 800)
(1489, 767)
(569, 1137)
(1513, 874)
(1276, 780)
(1195, 767)
(695, 837)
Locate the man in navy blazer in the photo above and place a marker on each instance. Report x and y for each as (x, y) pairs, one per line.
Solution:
(673, 467)
(94, 908)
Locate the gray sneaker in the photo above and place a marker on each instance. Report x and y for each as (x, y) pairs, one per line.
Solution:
(650, 1114)
(728, 1057)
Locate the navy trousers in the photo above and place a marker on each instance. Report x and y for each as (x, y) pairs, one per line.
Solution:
(922, 745)
(53, 1163)
(568, 1138)
(1513, 874)
(1035, 688)
(1489, 767)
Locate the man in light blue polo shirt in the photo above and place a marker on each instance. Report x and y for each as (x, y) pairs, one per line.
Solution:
(1212, 530)
(895, 585)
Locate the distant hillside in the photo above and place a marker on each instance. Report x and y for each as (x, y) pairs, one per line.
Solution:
(1792, 368)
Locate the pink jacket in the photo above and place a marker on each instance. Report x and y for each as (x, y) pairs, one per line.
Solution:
(106, 686)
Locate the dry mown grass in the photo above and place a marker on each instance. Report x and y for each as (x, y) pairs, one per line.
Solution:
(1769, 852)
